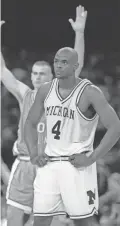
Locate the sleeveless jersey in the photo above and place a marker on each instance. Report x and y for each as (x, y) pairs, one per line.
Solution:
(20, 147)
(68, 130)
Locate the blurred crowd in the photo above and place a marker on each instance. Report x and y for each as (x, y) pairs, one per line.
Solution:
(104, 71)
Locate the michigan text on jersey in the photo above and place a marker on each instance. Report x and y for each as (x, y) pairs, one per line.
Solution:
(60, 111)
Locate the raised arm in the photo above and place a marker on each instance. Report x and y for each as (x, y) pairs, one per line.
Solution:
(14, 86)
(109, 119)
(78, 26)
(34, 116)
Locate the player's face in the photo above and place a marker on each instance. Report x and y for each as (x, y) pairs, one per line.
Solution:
(40, 74)
(63, 65)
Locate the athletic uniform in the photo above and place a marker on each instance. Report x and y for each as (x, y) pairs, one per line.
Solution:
(59, 187)
(20, 186)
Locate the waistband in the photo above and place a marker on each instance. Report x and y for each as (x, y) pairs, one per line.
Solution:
(51, 158)
(58, 158)
(62, 158)
(23, 158)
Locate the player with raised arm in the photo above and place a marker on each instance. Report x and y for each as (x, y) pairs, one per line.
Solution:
(66, 180)
(20, 188)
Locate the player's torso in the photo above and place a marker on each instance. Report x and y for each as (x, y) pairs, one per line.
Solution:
(27, 103)
(68, 131)
(20, 146)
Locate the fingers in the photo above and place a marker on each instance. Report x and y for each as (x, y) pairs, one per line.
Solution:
(71, 21)
(80, 11)
(84, 14)
(75, 163)
(46, 157)
(71, 158)
(2, 22)
(42, 160)
(79, 160)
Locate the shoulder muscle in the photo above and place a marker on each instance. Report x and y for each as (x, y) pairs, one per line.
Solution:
(107, 114)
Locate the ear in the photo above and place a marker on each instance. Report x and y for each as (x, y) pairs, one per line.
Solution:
(76, 66)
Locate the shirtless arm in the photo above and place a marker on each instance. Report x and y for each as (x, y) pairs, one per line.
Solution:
(78, 26)
(14, 86)
(109, 119)
(34, 116)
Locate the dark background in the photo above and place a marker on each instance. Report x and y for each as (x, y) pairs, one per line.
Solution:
(43, 24)
(35, 30)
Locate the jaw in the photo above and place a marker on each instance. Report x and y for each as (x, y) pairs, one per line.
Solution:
(36, 85)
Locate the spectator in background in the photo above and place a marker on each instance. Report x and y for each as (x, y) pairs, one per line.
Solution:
(110, 202)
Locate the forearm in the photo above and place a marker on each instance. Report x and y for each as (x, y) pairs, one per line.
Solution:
(17, 88)
(3, 65)
(109, 140)
(5, 173)
(80, 48)
(31, 139)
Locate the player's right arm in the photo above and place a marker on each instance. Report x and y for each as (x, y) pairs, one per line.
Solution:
(17, 88)
(79, 26)
(30, 129)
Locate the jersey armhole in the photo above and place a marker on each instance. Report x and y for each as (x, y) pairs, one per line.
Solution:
(24, 98)
(87, 83)
(51, 87)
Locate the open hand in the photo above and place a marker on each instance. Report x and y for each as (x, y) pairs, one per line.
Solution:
(79, 24)
(1, 23)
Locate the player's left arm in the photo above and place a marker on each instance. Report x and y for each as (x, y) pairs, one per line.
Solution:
(109, 119)
(30, 129)
(79, 26)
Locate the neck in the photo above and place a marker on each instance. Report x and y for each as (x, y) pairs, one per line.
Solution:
(67, 83)
(35, 89)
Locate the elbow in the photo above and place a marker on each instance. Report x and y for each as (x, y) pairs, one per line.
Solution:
(117, 129)
(3, 69)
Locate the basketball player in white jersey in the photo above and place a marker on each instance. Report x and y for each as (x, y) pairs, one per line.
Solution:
(66, 179)
(20, 189)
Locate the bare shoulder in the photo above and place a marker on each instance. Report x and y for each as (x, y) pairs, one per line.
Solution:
(44, 90)
(93, 89)
(94, 93)
(96, 98)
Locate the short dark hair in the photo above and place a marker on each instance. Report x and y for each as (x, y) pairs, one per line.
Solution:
(42, 63)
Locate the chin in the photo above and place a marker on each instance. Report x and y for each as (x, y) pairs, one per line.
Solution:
(57, 76)
(37, 86)
(60, 77)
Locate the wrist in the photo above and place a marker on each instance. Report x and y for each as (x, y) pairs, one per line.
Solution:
(79, 32)
(92, 158)
(34, 160)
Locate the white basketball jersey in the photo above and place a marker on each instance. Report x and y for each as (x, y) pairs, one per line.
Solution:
(68, 130)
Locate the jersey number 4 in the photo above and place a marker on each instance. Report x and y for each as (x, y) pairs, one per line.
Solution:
(56, 130)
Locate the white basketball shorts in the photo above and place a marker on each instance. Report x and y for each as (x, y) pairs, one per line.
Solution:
(60, 188)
